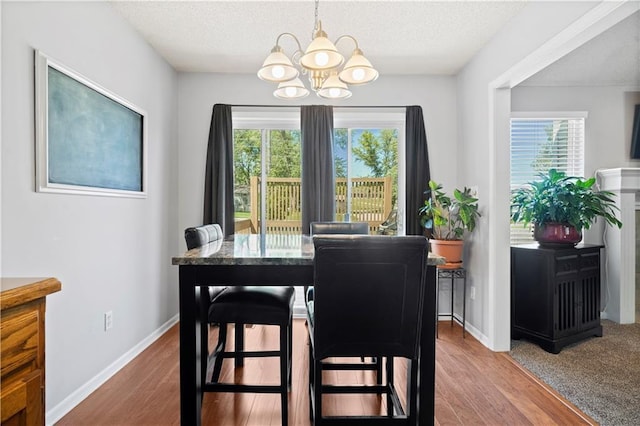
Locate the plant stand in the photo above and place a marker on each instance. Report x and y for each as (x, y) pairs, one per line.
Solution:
(452, 271)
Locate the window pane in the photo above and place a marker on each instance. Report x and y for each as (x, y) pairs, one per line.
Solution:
(283, 170)
(274, 155)
(247, 168)
(366, 167)
(340, 165)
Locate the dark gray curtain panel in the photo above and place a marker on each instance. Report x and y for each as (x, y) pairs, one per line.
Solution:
(318, 183)
(418, 174)
(218, 181)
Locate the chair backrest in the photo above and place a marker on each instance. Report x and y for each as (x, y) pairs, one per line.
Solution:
(368, 295)
(201, 235)
(318, 228)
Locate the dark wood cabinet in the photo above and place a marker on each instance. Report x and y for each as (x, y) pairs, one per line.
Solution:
(555, 294)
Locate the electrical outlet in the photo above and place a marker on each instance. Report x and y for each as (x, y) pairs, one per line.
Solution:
(472, 294)
(108, 320)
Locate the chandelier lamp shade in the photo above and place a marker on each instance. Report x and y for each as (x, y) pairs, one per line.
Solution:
(321, 62)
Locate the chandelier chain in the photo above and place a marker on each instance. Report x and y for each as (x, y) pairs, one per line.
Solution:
(315, 26)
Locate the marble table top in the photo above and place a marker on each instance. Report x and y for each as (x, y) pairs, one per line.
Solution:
(253, 249)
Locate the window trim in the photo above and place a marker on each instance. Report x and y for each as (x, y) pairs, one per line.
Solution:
(269, 119)
(549, 115)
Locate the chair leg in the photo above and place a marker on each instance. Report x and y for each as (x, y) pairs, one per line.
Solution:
(311, 377)
(239, 345)
(379, 361)
(390, 385)
(412, 391)
(317, 392)
(204, 302)
(284, 373)
(204, 350)
(290, 347)
(219, 349)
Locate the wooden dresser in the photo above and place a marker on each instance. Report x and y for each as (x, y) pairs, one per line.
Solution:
(22, 304)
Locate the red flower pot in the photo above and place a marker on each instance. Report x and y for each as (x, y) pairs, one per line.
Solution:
(556, 234)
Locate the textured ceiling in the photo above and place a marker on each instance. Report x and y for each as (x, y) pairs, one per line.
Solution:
(398, 37)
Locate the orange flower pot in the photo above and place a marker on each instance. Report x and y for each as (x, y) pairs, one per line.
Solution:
(451, 250)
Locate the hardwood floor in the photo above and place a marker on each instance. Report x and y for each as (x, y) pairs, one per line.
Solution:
(474, 386)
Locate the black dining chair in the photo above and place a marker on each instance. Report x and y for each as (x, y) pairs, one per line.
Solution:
(197, 237)
(333, 227)
(368, 293)
(244, 305)
(344, 228)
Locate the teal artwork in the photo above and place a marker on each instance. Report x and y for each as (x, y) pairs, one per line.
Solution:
(93, 140)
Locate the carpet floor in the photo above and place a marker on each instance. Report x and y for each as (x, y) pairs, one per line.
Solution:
(600, 375)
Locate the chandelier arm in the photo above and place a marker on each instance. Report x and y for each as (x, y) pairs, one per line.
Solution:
(295, 58)
(347, 36)
(294, 37)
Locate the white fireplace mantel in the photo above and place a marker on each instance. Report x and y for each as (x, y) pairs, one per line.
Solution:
(620, 253)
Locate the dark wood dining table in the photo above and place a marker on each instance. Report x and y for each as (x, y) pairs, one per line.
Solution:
(269, 260)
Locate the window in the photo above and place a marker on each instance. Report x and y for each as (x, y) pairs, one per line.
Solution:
(367, 148)
(542, 141)
(267, 170)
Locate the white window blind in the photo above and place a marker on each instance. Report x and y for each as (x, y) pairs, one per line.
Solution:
(540, 142)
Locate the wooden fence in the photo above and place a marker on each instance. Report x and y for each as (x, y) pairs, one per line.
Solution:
(370, 202)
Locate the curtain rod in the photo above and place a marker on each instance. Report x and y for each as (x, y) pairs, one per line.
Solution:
(335, 106)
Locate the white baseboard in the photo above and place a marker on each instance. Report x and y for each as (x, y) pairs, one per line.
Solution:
(75, 398)
(471, 330)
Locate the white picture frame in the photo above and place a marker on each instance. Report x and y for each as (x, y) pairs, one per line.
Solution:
(88, 140)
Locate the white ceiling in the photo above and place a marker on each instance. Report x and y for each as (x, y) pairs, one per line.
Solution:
(398, 37)
(420, 37)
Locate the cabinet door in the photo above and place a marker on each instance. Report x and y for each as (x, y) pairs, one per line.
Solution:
(566, 307)
(589, 297)
(22, 402)
(531, 294)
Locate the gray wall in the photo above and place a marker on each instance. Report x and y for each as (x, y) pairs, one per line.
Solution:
(109, 253)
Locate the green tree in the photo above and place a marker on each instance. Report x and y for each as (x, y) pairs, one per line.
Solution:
(246, 155)
(340, 163)
(379, 154)
(284, 153)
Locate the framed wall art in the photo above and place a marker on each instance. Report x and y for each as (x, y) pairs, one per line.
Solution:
(88, 140)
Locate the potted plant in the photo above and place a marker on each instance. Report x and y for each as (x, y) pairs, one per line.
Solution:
(561, 206)
(447, 218)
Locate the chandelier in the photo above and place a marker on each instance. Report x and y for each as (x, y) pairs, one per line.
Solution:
(321, 61)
